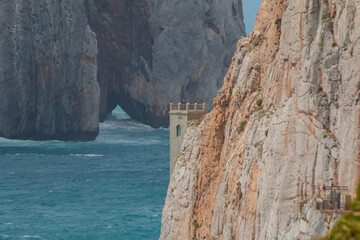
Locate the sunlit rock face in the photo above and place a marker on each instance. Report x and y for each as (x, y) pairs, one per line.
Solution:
(247, 167)
(48, 71)
(153, 52)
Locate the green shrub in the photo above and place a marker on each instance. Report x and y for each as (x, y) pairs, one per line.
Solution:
(196, 224)
(334, 44)
(305, 219)
(266, 133)
(326, 17)
(242, 126)
(259, 102)
(320, 89)
(321, 44)
(337, 105)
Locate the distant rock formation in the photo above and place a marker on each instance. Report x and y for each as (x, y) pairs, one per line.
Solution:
(151, 53)
(48, 70)
(285, 123)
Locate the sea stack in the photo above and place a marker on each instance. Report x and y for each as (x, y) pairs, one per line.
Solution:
(48, 71)
(65, 65)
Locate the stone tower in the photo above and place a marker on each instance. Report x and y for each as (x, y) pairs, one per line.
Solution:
(180, 114)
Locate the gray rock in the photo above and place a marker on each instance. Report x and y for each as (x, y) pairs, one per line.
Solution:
(48, 66)
(153, 52)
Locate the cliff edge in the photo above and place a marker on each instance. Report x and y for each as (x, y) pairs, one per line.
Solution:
(285, 123)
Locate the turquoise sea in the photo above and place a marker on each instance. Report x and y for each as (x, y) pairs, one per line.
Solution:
(113, 188)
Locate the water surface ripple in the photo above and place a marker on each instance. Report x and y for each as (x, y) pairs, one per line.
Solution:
(113, 188)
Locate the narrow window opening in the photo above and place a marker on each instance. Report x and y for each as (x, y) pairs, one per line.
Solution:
(178, 131)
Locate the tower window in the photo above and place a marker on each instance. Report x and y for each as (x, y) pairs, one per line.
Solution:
(178, 131)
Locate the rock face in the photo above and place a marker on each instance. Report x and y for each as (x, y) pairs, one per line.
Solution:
(48, 70)
(286, 121)
(153, 52)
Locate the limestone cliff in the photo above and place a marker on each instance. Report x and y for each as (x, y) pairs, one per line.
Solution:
(48, 67)
(55, 85)
(286, 121)
(152, 52)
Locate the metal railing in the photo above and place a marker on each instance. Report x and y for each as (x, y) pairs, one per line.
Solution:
(336, 198)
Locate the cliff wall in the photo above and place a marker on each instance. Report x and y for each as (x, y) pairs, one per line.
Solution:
(55, 85)
(286, 121)
(48, 67)
(153, 52)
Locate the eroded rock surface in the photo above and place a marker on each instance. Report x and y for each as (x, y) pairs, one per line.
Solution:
(256, 162)
(153, 52)
(48, 68)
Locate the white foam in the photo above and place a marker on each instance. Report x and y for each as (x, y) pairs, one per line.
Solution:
(120, 120)
(24, 143)
(86, 155)
(93, 155)
(126, 124)
(31, 236)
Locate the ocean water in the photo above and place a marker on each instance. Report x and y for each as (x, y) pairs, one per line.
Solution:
(113, 188)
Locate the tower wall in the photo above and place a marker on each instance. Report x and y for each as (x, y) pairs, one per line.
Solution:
(180, 114)
(177, 118)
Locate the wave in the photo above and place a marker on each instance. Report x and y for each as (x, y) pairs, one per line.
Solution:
(86, 155)
(135, 141)
(29, 143)
(32, 236)
(120, 120)
(126, 124)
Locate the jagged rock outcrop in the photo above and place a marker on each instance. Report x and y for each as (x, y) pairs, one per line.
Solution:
(286, 121)
(48, 68)
(153, 52)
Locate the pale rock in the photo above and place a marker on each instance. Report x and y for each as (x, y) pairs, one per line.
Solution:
(249, 183)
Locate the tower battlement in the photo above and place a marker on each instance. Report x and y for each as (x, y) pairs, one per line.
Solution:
(180, 114)
(187, 107)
